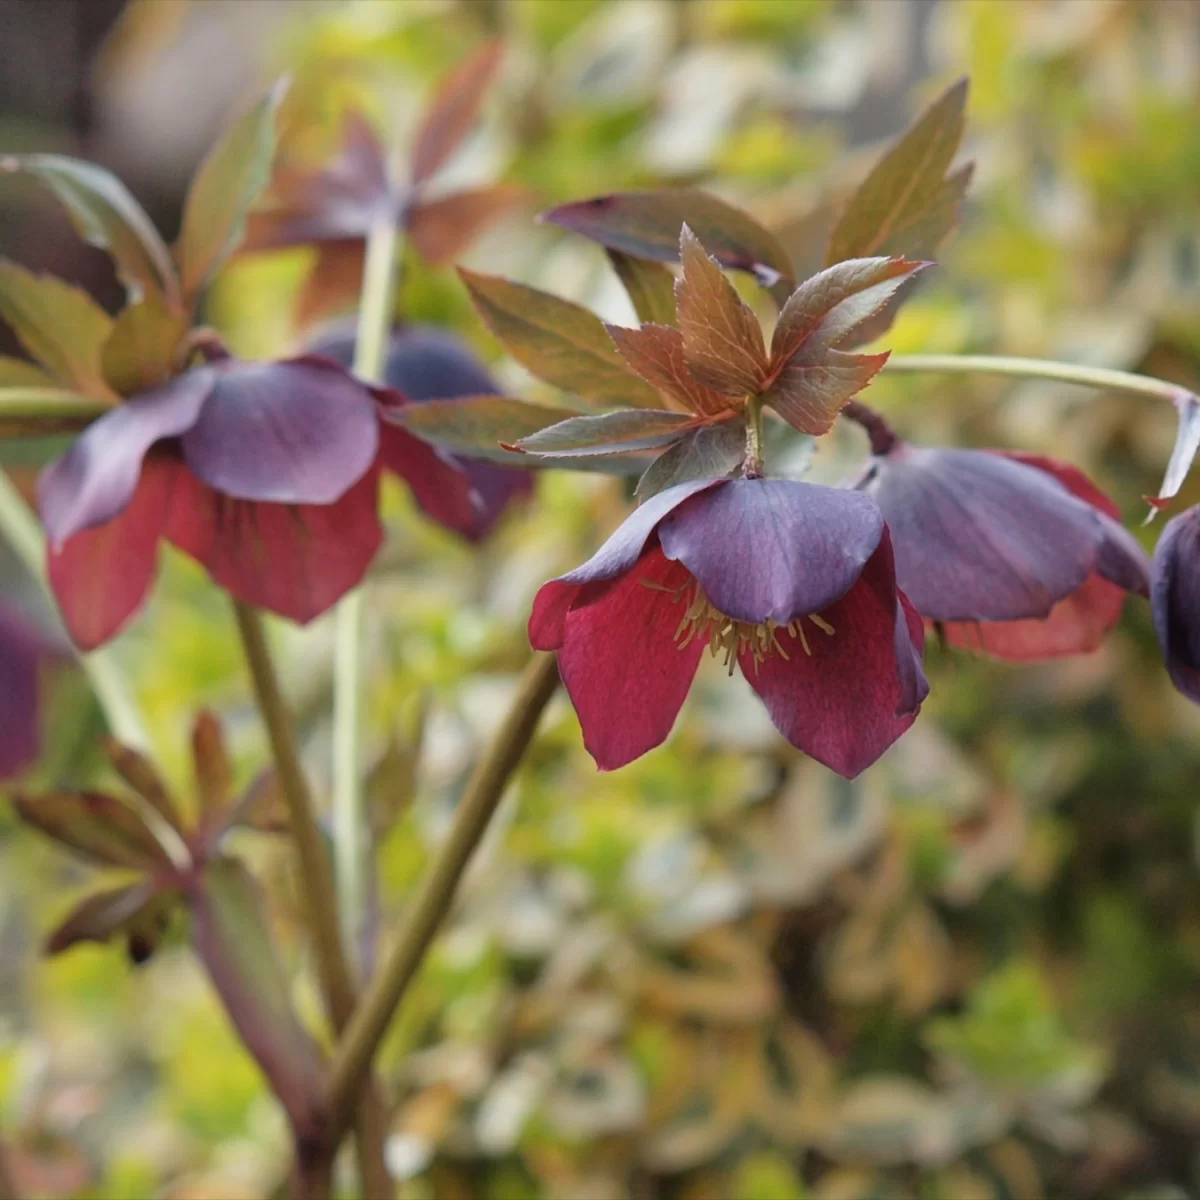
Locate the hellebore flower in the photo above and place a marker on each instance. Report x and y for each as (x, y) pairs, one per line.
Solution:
(1013, 554)
(265, 472)
(793, 582)
(1175, 600)
(427, 364)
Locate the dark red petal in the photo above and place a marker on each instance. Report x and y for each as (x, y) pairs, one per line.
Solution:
(621, 667)
(1076, 625)
(296, 432)
(845, 703)
(96, 478)
(101, 576)
(296, 560)
(1175, 600)
(439, 485)
(772, 549)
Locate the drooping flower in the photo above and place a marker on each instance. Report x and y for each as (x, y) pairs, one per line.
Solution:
(1012, 554)
(1175, 600)
(429, 364)
(265, 472)
(792, 582)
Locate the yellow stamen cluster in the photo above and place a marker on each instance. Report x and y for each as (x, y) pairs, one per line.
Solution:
(728, 637)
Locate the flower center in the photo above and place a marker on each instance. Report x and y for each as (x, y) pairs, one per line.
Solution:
(728, 637)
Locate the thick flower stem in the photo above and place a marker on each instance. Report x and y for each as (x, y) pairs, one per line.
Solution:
(320, 897)
(374, 325)
(432, 903)
(1036, 368)
(881, 435)
(20, 529)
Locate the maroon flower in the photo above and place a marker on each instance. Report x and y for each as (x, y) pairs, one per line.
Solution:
(427, 364)
(1175, 600)
(267, 473)
(1016, 555)
(793, 582)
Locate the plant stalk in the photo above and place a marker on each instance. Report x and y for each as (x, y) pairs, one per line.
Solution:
(20, 528)
(1036, 368)
(752, 463)
(349, 827)
(431, 905)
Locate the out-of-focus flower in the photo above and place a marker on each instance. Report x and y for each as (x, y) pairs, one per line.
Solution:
(428, 364)
(265, 472)
(1175, 600)
(1013, 554)
(793, 582)
(24, 652)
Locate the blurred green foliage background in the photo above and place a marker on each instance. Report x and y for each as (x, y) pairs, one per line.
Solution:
(721, 972)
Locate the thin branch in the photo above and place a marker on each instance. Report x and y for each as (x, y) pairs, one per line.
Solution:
(432, 903)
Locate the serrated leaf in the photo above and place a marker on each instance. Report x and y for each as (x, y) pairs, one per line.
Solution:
(647, 225)
(60, 325)
(223, 190)
(98, 917)
(650, 285)
(656, 353)
(231, 938)
(708, 453)
(559, 341)
(38, 412)
(891, 212)
(17, 373)
(611, 433)
(108, 217)
(476, 426)
(213, 771)
(98, 826)
(811, 389)
(140, 350)
(441, 229)
(453, 110)
(722, 339)
(139, 772)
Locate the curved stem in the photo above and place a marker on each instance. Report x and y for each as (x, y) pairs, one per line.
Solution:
(1036, 368)
(432, 903)
(349, 846)
(20, 528)
(881, 435)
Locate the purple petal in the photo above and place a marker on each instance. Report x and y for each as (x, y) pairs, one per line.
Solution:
(1175, 600)
(302, 431)
(96, 478)
(772, 549)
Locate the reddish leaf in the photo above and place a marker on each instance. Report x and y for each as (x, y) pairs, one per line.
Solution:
(647, 225)
(906, 206)
(108, 217)
(333, 283)
(453, 111)
(98, 826)
(140, 350)
(223, 191)
(60, 325)
(707, 453)
(139, 773)
(810, 390)
(650, 285)
(214, 774)
(722, 339)
(100, 916)
(656, 353)
(612, 433)
(441, 229)
(558, 341)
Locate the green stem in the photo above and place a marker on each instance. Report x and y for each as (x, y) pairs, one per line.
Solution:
(1035, 368)
(433, 900)
(349, 828)
(21, 530)
(752, 464)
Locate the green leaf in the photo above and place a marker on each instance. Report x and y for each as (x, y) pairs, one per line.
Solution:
(231, 938)
(656, 353)
(213, 770)
(102, 915)
(140, 351)
(98, 826)
(650, 285)
(60, 325)
(648, 224)
(722, 339)
(17, 373)
(224, 189)
(611, 433)
(906, 205)
(708, 453)
(107, 216)
(558, 341)
(38, 412)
